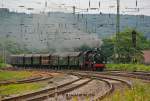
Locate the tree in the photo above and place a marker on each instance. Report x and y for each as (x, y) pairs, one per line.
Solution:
(11, 46)
(1, 60)
(128, 48)
(107, 48)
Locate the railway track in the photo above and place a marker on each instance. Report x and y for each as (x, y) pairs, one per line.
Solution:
(30, 80)
(36, 78)
(127, 83)
(106, 91)
(48, 92)
(143, 73)
(137, 75)
(106, 80)
(61, 90)
(85, 77)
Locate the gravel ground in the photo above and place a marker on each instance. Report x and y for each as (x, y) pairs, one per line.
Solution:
(56, 81)
(90, 91)
(86, 93)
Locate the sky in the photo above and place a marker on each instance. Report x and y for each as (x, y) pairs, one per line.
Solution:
(106, 6)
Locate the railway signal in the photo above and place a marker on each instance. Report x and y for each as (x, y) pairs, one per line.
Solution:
(134, 38)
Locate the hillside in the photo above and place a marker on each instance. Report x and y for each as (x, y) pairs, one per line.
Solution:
(71, 30)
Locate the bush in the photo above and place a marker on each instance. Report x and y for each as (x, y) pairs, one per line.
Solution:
(128, 67)
(20, 88)
(1, 60)
(139, 92)
(2, 63)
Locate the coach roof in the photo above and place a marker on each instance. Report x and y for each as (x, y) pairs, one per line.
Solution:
(61, 54)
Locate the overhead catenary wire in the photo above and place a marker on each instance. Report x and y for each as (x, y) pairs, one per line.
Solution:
(60, 6)
(81, 11)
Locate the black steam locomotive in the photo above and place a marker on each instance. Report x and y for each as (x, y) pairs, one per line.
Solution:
(89, 60)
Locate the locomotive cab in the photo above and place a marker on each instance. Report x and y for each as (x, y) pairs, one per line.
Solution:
(94, 60)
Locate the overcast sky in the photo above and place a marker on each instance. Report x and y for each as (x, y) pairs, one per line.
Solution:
(106, 6)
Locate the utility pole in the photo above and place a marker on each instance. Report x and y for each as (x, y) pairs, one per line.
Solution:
(74, 9)
(118, 18)
(4, 54)
(117, 31)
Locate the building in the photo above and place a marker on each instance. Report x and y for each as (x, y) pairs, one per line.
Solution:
(147, 57)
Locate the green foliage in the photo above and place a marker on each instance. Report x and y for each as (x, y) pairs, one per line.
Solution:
(1, 60)
(13, 75)
(107, 49)
(11, 46)
(139, 92)
(2, 64)
(19, 88)
(126, 52)
(128, 67)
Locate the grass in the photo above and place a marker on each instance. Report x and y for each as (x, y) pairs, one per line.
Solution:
(14, 75)
(3, 65)
(140, 92)
(128, 67)
(19, 88)
(10, 89)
